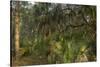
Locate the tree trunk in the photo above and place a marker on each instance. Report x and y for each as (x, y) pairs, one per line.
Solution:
(17, 29)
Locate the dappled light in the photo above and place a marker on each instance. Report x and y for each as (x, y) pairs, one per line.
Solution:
(52, 33)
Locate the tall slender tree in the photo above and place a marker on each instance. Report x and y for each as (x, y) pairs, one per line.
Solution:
(17, 20)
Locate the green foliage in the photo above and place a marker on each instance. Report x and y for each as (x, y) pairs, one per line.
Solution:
(57, 33)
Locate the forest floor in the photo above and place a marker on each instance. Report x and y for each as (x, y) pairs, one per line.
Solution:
(29, 60)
